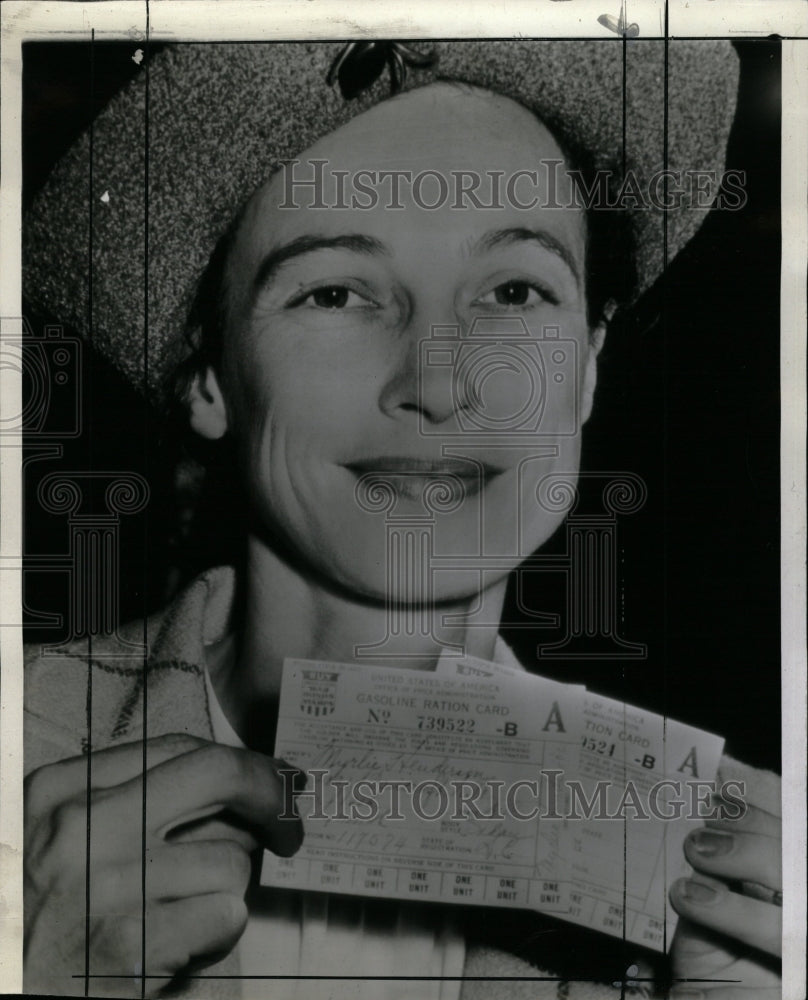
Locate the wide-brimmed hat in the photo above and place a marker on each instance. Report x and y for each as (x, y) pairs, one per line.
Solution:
(116, 240)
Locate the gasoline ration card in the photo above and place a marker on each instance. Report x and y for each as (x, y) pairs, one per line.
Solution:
(481, 784)
(418, 784)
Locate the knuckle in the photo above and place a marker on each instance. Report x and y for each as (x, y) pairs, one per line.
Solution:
(166, 943)
(166, 958)
(232, 912)
(38, 839)
(117, 940)
(68, 830)
(71, 814)
(228, 763)
(237, 863)
(38, 788)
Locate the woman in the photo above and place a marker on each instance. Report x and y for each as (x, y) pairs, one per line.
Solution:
(453, 206)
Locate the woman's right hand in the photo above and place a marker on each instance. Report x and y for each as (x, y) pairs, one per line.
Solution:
(117, 871)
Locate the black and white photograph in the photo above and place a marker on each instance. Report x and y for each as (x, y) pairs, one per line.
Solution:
(403, 501)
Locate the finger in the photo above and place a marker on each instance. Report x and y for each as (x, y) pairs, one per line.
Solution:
(220, 827)
(699, 954)
(214, 777)
(192, 930)
(180, 870)
(171, 936)
(117, 765)
(703, 958)
(103, 769)
(743, 856)
(711, 904)
(172, 871)
(752, 820)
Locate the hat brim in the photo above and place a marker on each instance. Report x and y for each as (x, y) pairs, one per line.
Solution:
(171, 163)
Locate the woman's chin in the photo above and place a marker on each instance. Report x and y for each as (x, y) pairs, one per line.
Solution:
(411, 561)
(409, 574)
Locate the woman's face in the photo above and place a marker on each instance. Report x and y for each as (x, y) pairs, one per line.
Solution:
(410, 373)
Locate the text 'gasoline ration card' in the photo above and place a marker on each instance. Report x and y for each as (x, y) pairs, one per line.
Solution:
(482, 784)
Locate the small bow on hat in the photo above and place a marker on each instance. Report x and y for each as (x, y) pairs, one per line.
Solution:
(360, 64)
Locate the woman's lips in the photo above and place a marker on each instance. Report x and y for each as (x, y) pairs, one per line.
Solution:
(410, 477)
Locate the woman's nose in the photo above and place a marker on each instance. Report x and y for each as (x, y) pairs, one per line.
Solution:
(423, 385)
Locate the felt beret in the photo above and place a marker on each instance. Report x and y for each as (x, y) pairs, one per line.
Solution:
(115, 242)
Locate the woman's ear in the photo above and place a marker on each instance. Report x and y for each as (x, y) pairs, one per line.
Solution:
(596, 339)
(206, 407)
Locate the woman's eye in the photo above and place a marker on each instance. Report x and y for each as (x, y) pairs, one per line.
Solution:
(515, 293)
(332, 297)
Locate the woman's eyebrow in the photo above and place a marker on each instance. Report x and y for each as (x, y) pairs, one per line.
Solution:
(282, 254)
(522, 234)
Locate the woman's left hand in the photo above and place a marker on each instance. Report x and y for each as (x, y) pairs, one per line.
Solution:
(731, 918)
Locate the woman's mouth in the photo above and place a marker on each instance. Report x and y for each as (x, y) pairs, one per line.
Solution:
(410, 478)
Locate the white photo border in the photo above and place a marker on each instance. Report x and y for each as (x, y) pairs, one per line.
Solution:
(231, 20)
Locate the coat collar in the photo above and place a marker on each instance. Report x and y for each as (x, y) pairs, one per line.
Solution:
(170, 696)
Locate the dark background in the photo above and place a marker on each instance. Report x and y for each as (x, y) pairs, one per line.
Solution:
(688, 399)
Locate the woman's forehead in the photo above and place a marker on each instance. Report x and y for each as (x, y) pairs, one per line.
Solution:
(442, 127)
(410, 163)
(447, 122)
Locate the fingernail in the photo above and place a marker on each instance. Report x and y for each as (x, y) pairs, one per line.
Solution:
(698, 892)
(712, 843)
